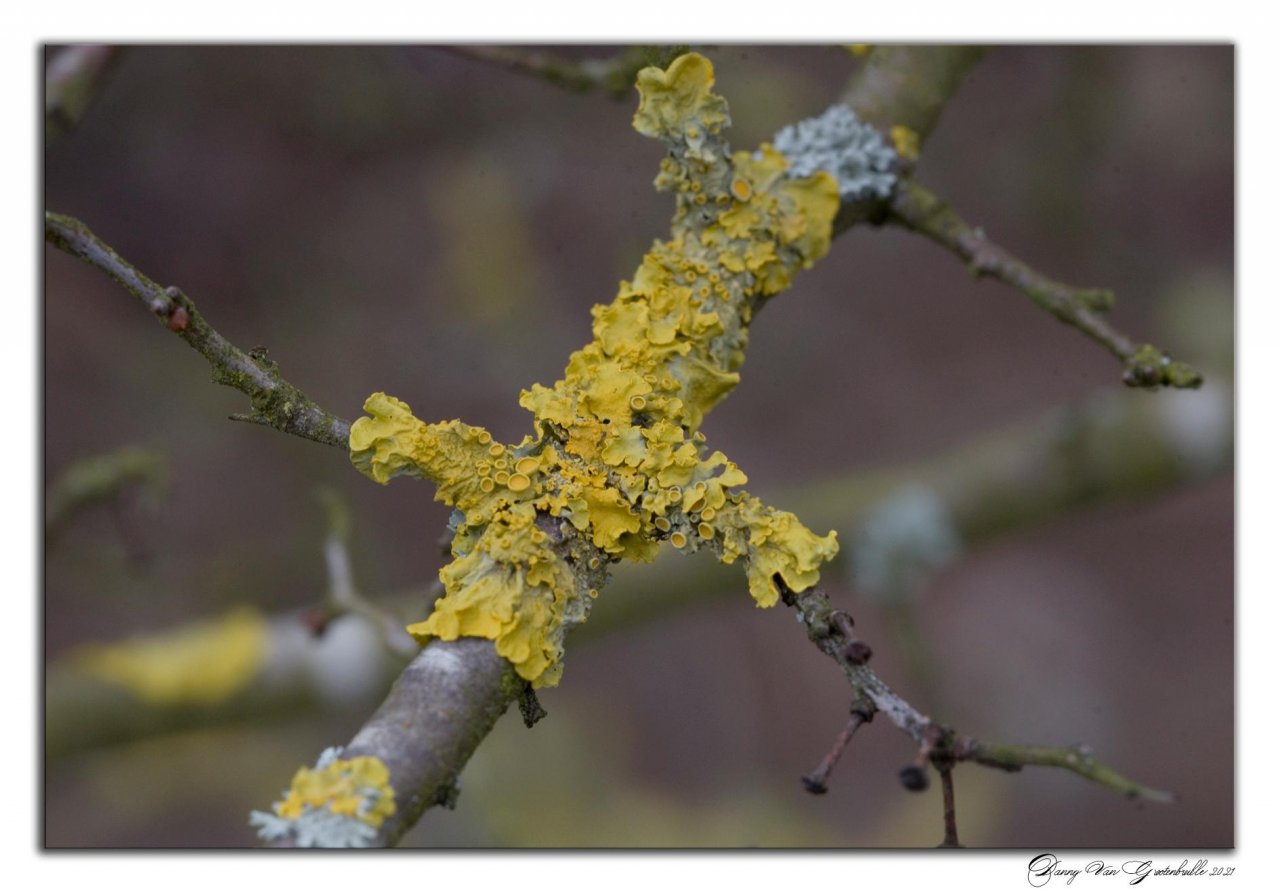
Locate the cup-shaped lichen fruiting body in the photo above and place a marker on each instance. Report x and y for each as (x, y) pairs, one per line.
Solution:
(617, 458)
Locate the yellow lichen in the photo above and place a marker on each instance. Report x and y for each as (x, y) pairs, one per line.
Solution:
(616, 461)
(678, 102)
(773, 543)
(203, 663)
(509, 586)
(905, 141)
(358, 788)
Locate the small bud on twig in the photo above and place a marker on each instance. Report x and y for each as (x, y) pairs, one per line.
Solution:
(914, 778)
(178, 319)
(815, 783)
(856, 653)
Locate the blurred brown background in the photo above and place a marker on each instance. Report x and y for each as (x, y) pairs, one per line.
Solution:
(407, 220)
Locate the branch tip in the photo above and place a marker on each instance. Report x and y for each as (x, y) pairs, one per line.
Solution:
(915, 208)
(914, 778)
(276, 402)
(815, 781)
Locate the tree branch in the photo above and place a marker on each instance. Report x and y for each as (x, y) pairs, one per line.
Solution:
(860, 714)
(915, 208)
(950, 835)
(615, 77)
(909, 86)
(101, 479)
(1078, 759)
(831, 632)
(1109, 447)
(906, 87)
(295, 666)
(72, 80)
(276, 403)
(438, 711)
(453, 692)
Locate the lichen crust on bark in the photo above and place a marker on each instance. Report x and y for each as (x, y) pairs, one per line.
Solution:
(616, 464)
(340, 803)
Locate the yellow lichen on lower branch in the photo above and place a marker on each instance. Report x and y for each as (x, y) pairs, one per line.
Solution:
(616, 457)
(204, 663)
(511, 587)
(357, 788)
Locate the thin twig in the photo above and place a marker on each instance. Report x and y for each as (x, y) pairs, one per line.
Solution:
(276, 402)
(1078, 759)
(861, 713)
(614, 77)
(909, 86)
(343, 595)
(916, 208)
(951, 836)
(939, 743)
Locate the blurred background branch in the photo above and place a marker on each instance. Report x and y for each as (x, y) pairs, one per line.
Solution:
(1113, 447)
(343, 597)
(102, 480)
(73, 77)
(614, 76)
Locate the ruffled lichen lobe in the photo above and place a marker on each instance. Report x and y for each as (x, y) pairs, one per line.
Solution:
(616, 462)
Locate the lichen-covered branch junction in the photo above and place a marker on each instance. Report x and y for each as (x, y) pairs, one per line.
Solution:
(616, 464)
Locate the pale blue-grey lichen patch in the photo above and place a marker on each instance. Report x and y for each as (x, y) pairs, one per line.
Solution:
(855, 153)
(906, 539)
(315, 830)
(340, 803)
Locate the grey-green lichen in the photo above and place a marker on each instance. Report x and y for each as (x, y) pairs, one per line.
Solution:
(904, 540)
(338, 804)
(856, 154)
(1148, 366)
